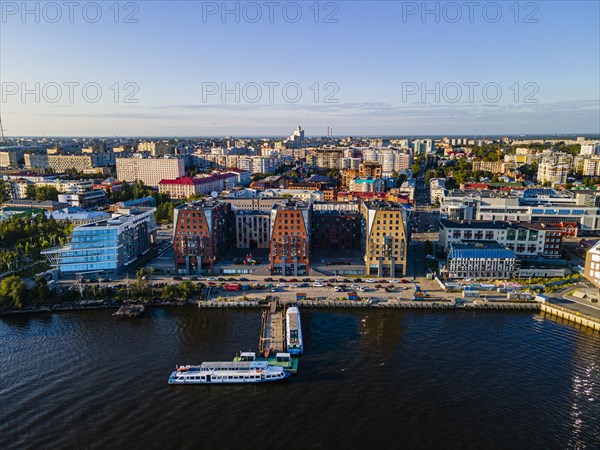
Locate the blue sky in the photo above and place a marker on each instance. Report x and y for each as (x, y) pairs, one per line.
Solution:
(369, 63)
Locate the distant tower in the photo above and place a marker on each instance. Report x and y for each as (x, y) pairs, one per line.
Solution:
(1, 131)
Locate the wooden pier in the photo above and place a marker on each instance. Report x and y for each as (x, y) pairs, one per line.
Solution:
(272, 333)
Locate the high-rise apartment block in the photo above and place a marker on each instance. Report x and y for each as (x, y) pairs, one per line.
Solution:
(8, 159)
(554, 168)
(149, 170)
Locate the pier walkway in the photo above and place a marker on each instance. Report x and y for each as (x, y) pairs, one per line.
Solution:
(272, 334)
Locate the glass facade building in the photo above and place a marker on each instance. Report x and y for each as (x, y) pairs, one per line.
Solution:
(106, 247)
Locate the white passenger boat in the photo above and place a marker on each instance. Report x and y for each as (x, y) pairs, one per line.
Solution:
(293, 331)
(228, 372)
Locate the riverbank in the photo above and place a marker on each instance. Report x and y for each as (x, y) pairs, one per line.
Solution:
(562, 313)
(90, 306)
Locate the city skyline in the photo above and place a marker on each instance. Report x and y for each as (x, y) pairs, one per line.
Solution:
(187, 70)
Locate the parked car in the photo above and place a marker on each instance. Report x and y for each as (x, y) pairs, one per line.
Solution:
(194, 278)
(403, 280)
(244, 279)
(346, 280)
(304, 285)
(393, 281)
(307, 280)
(357, 280)
(369, 280)
(280, 285)
(383, 281)
(293, 280)
(209, 279)
(317, 284)
(283, 280)
(269, 279)
(337, 289)
(178, 278)
(293, 286)
(362, 289)
(230, 279)
(355, 286)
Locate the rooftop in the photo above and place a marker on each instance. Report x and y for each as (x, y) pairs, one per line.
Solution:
(476, 224)
(197, 205)
(385, 205)
(480, 251)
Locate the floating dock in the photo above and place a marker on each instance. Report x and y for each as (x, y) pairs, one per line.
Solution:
(130, 311)
(284, 360)
(272, 333)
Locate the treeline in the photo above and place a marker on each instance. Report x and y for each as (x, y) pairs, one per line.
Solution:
(23, 237)
(14, 294)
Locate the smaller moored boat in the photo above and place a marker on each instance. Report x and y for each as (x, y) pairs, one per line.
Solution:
(293, 331)
(280, 359)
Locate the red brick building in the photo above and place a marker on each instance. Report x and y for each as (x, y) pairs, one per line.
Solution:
(290, 240)
(202, 232)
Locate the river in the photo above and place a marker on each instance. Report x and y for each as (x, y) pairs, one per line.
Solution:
(369, 379)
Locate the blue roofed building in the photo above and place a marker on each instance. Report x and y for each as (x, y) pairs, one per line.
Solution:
(481, 261)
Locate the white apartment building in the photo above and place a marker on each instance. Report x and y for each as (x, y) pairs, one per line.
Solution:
(554, 167)
(437, 190)
(391, 160)
(8, 159)
(527, 240)
(62, 163)
(350, 163)
(155, 149)
(306, 196)
(591, 167)
(149, 170)
(590, 149)
(592, 264)
(362, 184)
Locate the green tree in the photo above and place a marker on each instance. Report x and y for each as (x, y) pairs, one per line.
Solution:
(416, 169)
(30, 191)
(5, 193)
(13, 289)
(43, 193)
(169, 292)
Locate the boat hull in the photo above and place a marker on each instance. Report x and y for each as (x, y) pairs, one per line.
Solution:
(174, 380)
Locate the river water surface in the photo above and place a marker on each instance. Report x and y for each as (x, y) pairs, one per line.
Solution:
(368, 380)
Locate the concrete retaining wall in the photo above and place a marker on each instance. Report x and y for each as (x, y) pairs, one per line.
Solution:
(572, 316)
